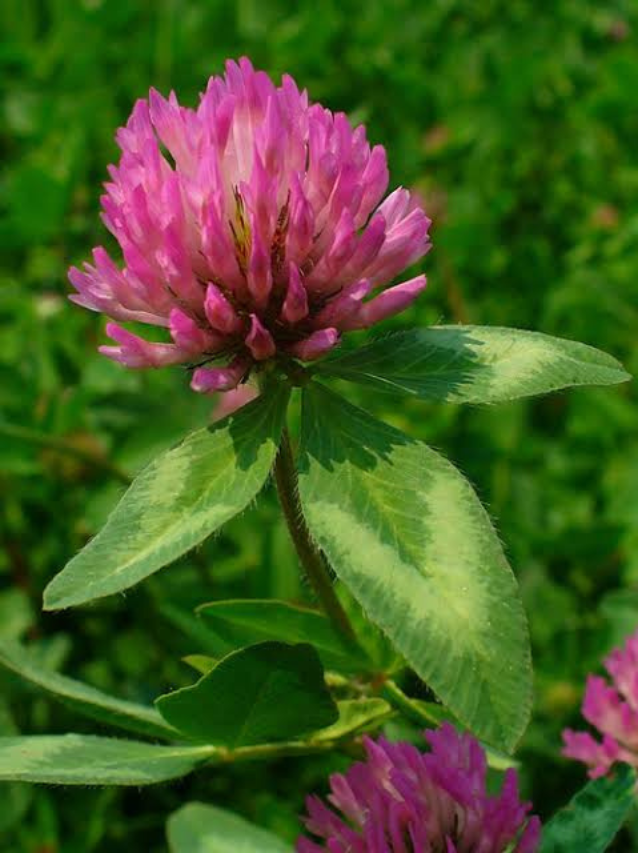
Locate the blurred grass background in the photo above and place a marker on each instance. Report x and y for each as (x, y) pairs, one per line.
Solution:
(516, 121)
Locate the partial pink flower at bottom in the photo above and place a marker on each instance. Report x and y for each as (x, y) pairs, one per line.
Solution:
(611, 710)
(401, 800)
(231, 401)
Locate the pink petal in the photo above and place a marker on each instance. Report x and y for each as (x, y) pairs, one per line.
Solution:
(530, 839)
(316, 345)
(404, 244)
(583, 747)
(295, 305)
(622, 665)
(367, 250)
(219, 311)
(168, 120)
(343, 307)
(259, 272)
(259, 341)
(301, 223)
(604, 709)
(388, 303)
(375, 180)
(191, 337)
(135, 352)
(206, 380)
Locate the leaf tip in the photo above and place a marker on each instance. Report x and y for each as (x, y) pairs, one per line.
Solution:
(50, 600)
(625, 376)
(56, 597)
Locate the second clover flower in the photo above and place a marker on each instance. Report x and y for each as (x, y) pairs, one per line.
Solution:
(401, 800)
(613, 710)
(251, 227)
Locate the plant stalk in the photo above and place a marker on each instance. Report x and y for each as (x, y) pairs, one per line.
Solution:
(403, 703)
(312, 560)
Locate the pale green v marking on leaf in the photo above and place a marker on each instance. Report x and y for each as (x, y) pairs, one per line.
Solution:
(405, 532)
(181, 498)
(90, 760)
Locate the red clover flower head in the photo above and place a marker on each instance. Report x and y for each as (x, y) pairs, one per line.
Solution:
(613, 711)
(401, 800)
(252, 228)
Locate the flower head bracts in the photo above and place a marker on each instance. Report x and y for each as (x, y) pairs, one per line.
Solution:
(251, 227)
(403, 801)
(613, 711)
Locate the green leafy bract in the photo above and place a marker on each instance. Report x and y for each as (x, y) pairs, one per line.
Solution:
(199, 828)
(406, 534)
(263, 693)
(474, 364)
(241, 622)
(179, 499)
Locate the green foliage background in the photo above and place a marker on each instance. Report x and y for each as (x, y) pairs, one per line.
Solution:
(516, 121)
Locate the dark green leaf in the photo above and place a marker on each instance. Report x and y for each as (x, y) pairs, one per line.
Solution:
(593, 817)
(244, 622)
(406, 533)
(179, 499)
(474, 364)
(89, 760)
(264, 693)
(198, 828)
(83, 698)
(193, 628)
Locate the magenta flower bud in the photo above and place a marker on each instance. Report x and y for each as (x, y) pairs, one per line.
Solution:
(405, 801)
(259, 273)
(387, 304)
(375, 181)
(210, 379)
(613, 710)
(367, 250)
(219, 312)
(295, 305)
(316, 345)
(300, 232)
(189, 335)
(259, 341)
(344, 242)
(135, 352)
(251, 237)
(344, 307)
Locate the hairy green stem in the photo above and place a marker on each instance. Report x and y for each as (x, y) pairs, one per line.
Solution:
(403, 703)
(313, 562)
(263, 752)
